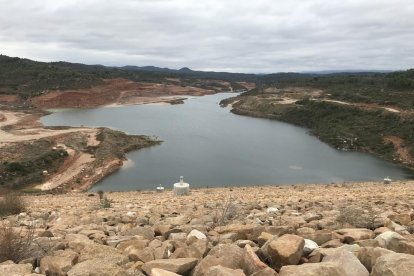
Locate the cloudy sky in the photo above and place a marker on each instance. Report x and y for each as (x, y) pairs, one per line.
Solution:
(223, 35)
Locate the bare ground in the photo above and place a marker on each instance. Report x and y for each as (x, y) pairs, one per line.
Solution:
(116, 91)
(80, 169)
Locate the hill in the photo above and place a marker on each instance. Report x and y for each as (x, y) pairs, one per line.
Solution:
(27, 78)
(369, 112)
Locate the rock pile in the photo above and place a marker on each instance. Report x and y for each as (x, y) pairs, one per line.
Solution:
(267, 231)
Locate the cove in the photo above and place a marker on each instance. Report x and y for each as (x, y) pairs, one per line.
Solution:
(212, 147)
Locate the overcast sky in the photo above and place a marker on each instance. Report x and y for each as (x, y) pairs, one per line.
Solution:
(223, 35)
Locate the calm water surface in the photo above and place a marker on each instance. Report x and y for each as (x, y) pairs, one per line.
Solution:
(210, 146)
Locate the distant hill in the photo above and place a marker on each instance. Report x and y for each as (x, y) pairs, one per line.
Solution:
(357, 71)
(28, 78)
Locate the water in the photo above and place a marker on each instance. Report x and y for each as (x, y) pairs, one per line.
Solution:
(210, 146)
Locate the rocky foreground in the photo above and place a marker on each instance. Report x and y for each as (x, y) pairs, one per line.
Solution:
(338, 229)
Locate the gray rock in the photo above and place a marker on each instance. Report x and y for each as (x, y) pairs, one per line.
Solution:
(309, 246)
(387, 237)
(195, 234)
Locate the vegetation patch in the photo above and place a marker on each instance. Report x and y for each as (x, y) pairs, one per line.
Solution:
(114, 144)
(26, 163)
(11, 204)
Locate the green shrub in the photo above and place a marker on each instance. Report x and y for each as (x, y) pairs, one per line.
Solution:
(106, 203)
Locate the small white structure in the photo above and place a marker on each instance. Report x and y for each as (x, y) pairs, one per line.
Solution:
(160, 189)
(387, 180)
(181, 188)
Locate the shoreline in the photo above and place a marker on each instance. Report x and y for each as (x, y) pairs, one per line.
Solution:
(15, 129)
(81, 169)
(113, 165)
(297, 187)
(240, 106)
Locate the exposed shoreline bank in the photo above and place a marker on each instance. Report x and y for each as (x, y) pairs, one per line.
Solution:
(275, 107)
(78, 157)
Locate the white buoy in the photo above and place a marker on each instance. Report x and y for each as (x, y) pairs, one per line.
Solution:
(387, 180)
(160, 189)
(181, 188)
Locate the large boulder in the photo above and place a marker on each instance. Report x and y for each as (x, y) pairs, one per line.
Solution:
(145, 231)
(125, 242)
(219, 270)
(401, 246)
(179, 266)
(395, 264)
(395, 242)
(12, 269)
(78, 242)
(244, 232)
(339, 262)
(350, 264)
(350, 235)
(402, 218)
(313, 269)
(58, 264)
(265, 272)
(319, 236)
(251, 263)
(226, 255)
(95, 251)
(162, 272)
(145, 255)
(95, 267)
(387, 237)
(286, 250)
(368, 255)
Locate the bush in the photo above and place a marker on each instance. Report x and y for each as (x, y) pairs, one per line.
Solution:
(15, 244)
(226, 212)
(11, 204)
(106, 203)
(357, 217)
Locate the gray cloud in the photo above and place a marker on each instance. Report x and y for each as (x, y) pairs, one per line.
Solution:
(225, 35)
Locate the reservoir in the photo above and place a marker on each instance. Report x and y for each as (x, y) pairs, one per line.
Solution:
(212, 147)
